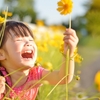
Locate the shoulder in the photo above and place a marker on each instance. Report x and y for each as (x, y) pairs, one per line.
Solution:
(36, 72)
(37, 69)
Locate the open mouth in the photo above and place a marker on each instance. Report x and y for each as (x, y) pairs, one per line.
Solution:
(27, 54)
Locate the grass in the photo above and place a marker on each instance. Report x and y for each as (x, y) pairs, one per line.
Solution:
(60, 92)
(89, 51)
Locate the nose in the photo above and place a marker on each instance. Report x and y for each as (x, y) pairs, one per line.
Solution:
(27, 43)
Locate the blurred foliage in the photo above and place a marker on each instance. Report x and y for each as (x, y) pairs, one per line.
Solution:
(84, 25)
(93, 18)
(22, 9)
(49, 40)
(89, 23)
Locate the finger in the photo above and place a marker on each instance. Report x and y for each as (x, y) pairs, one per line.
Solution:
(70, 37)
(2, 79)
(71, 44)
(71, 32)
(71, 41)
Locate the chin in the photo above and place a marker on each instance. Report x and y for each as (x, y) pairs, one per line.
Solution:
(29, 64)
(26, 67)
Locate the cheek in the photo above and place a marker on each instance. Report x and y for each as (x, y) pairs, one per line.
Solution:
(17, 47)
(35, 49)
(12, 49)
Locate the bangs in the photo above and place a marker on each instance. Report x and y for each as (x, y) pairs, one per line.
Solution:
(17, 29)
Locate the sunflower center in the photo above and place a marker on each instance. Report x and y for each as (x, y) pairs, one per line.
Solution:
(66, 6)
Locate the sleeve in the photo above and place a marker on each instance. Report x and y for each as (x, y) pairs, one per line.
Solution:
(35, 73)
(40, 70)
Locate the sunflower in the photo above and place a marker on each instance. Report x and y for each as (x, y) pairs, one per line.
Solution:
(48, 65)
(6, 12)
(97, 80)
(2, 19)
(65, 6)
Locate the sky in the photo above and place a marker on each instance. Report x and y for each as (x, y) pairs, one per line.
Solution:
(46, 9)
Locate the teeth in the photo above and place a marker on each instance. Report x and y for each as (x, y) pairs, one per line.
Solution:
(29, 51)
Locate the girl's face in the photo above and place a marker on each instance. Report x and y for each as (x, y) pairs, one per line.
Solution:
(20, 51)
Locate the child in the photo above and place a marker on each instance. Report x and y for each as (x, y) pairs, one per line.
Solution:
(18, 53)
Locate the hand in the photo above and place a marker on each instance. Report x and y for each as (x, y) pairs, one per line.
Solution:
(70, 40)
(2, 84)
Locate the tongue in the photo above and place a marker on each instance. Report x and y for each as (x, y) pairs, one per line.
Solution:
(27, 55)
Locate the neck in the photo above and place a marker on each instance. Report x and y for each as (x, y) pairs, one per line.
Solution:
(18, 75)
(21, 70)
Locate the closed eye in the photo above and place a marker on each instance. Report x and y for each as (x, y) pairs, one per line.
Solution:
(18, 39)
(31, 40)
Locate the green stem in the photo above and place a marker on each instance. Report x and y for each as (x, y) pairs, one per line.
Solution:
(11, 89)
(69, 21)
(55, 86)
(36, 83)
(67, 61)
(67, 65)
(3, 27)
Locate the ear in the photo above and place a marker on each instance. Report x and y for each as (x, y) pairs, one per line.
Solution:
(2, 54)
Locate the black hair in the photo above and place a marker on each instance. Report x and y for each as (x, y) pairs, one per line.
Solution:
(17, 28)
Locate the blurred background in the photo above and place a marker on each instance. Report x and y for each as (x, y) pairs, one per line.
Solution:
(44, 19)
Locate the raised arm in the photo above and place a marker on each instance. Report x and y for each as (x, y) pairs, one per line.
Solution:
(70, 41)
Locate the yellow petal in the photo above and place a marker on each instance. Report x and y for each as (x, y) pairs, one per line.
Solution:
(64, 12)
(60, 9)
(66, 6)
(2, 19)
(60, 3)
(64, 1)
(8, 13)
(97, 78)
